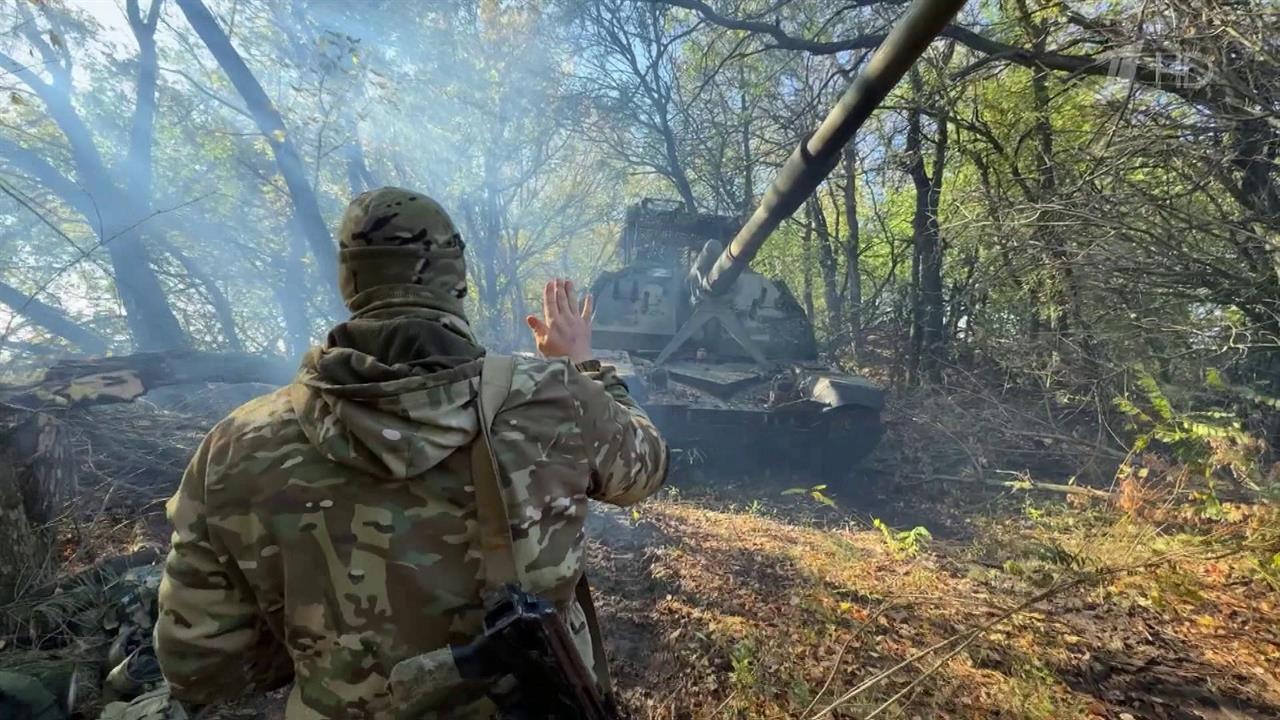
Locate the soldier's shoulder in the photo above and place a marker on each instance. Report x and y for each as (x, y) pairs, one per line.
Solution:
(274, 407)
(535, 369)
(267, 420)
(540, 379)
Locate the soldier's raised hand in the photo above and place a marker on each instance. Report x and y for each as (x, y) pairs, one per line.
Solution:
(565, 328)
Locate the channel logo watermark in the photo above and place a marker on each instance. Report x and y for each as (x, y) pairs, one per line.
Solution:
(1161, 68)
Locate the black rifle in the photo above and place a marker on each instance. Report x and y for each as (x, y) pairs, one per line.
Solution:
(525, 639)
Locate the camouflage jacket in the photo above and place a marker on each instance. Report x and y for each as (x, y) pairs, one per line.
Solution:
(327, 531)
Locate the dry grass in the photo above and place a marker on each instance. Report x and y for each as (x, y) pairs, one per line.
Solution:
(756, 617)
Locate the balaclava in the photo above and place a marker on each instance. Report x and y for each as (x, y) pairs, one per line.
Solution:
(402, 273)
(397, 246)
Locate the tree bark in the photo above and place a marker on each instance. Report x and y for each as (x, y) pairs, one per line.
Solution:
(807, 249)
(852, 290)
(675, 168)
(37, 484)
(927, 325)
(52, 319)
(748, 167)
(124, 378)
(288, 161)
(830, 272)
(142, 131)
(21, 547)
(359, 179)
(293, 305)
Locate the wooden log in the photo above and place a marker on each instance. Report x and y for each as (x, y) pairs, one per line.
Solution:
(124, 378)
(46, 467)
(37, 485)
(22, 547)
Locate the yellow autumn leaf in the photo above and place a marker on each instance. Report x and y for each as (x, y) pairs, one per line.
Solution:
(278, 135)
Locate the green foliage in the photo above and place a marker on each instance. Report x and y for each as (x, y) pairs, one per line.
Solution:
(1268, 568)
(1173, 587)
(1206, 442)
(1207, 503)
(742, 659)
(815, 492)
(903, 543)
(1259, 398)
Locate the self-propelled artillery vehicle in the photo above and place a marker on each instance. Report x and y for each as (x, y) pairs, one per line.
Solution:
(722, 357)
(733, 379)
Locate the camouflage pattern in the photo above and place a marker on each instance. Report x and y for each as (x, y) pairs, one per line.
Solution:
(429, 687)
(327, 531)
(394, 242)
(153, 705)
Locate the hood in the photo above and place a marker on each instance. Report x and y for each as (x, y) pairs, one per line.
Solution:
(390, 397)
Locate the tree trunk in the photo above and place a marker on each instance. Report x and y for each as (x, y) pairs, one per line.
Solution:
(748, 167)
(37, 485)
(22, 549)
(359, 179)
(137, 166)
(271, 125)
(852, 290)
(131, 257)
(293, 305)
(1058, 297)
(124, 378)
(52, 319)
(483, 216)
(151, 320)
(830, 272)
(927, 325)
(675, 168)
(218, 299)
(807, 250)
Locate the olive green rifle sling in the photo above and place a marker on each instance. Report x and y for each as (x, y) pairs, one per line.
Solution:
(496, 543)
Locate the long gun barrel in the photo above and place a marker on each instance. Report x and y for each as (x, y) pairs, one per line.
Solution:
(817, 154)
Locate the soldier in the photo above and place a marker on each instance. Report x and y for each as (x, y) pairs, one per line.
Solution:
(327, 531)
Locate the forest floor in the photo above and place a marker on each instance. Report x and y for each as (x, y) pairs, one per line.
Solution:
(740, 600)
(1012, 610)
